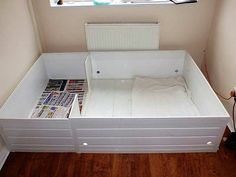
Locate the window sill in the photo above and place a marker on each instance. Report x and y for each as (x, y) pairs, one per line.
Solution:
(84, 4)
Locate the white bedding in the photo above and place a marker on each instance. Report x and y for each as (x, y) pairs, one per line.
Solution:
(162, 97)
(140, 97)
(109, 98)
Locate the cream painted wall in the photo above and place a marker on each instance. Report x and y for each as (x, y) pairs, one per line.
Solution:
(182, 27)
(18, 44)
(221, 50)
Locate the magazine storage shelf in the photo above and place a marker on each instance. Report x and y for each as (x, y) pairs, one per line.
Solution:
(107, 122)
(19, 130)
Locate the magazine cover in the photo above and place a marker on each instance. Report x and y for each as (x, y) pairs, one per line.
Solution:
(58, 96)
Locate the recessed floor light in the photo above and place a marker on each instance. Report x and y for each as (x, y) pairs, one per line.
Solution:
(209, 143)
(85, 144)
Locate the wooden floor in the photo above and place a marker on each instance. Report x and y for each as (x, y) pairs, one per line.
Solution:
(220, 164)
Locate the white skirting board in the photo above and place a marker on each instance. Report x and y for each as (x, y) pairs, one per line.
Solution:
(3, 156)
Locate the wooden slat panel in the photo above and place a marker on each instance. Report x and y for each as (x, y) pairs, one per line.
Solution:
(145, 149)
(42, 148)
(161, 132)
(35, 123)
(38, 132)
(148, 141)
(40, 140)
(177, 122)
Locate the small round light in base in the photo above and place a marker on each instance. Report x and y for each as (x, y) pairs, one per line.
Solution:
(85, 144)
(209, 143)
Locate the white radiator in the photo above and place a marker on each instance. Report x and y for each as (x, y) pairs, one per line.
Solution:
(122, 36)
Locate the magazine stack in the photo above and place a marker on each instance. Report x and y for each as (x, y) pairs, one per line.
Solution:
(57, 98)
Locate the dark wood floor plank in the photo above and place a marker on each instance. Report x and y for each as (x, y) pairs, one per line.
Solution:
(101, 165)
(86, 166)
(220, 164)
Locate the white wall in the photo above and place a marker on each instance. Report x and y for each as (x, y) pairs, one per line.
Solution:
(18, 44)
(19, 48)
(182, 27)
(221, 50)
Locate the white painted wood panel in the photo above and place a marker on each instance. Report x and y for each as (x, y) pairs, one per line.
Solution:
(41, 140)
(37, 132)
(140, 132)
(200, 140)
(65, 65)
(203, 95)
(42, 148)
(89, 72)
(177, 122)
(127, 65)
(146, 149)
(106, 134)
(4, 152)
(24, 98)
(35, 123)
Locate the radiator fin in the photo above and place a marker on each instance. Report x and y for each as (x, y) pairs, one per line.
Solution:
(122, 36)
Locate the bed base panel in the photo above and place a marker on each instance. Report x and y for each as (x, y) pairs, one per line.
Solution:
(147, 132)
(42, 148)
(178, 122)
(114, 134)
(37, 135)
(99, 134)
(146, 149)
(106, 134)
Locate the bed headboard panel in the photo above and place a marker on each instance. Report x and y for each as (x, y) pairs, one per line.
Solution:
(128, 64)
(122, 36)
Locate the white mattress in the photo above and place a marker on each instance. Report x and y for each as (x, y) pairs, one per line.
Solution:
(139, 97)
(162, 97)
(109, 98)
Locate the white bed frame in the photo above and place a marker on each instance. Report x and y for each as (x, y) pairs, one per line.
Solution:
(120, 134)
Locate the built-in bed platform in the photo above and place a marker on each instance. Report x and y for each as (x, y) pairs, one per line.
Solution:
(110, 120)
(141, 96)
